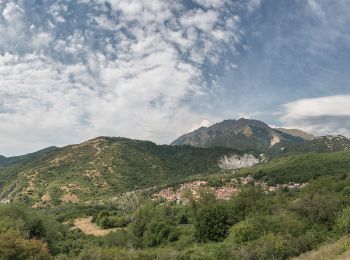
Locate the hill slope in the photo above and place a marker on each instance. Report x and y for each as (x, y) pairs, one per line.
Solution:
(104, 166)
(297, 133)
(6, 161)
(302, 167)
(2, 159)
(320, 144)
(333, 250)
(242, 134)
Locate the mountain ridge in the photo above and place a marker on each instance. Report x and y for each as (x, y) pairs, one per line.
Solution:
(6, 161)
(296, 132)
(104, 167)
(241, 134)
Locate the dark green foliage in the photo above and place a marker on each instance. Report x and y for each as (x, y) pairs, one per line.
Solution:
(342, 222)
(212, 223)
(36, 228)
(55, 194)
(106, 219)
(120, 238)
(318, 208)
(159, 232)
(248, 200)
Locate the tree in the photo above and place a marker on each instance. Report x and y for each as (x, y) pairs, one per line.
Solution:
(211, 223)
(13, 246)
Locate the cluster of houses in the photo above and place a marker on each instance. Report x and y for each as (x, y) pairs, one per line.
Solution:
(170, 194)
(222, 193)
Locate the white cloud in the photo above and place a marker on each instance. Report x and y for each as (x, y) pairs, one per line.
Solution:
(129, 72)
(203, 123)
(323, 115)
(253, 5)
(316, 8)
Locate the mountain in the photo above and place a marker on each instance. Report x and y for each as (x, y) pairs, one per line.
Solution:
(330, 143)
(103, 167)
(320, 144)
(242, 134)
(4, 161)
(297, 133)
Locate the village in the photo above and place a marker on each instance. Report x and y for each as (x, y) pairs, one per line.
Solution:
(222, 193)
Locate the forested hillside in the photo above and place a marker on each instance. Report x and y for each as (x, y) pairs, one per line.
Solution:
(96, 200)
(103, 167)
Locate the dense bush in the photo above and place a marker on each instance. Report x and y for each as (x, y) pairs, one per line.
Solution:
(342, 223)
(212, 223)
(106, 219)
(14, 246)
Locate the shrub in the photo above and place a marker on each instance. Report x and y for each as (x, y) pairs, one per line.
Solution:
(211, 223)
(245, 231)
(342, 223)
(13, 246)
(272, 246)
(159, 233)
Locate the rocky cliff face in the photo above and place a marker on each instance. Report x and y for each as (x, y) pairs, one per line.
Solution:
(236, 162)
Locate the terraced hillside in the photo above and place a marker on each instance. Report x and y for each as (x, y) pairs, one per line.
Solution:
(103, 167)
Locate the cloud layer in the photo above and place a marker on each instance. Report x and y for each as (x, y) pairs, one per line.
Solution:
(321, 116)
(71, 70)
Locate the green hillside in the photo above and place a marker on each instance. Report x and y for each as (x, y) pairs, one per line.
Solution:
(72, 189)
(301, 167)
(6, 161)
(105, 167)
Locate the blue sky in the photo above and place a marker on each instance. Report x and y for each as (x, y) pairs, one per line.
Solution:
(155, 69)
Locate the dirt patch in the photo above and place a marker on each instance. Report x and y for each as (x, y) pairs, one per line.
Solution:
(88, 228)
(38, 205)
(92, 174)
(46, 198)
(248, 132)
(275, 140)
(95, 177)
(70, 198)
(60, 159)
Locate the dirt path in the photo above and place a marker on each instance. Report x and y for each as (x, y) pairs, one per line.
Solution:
(88, 228)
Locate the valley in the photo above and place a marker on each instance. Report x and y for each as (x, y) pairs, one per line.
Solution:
(118, 198)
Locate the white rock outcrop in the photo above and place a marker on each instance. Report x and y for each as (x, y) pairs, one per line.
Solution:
(236, 162)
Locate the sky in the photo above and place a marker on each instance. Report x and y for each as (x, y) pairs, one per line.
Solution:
(156, 69)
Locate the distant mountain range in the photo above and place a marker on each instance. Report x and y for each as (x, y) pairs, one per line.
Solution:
(107, 166)
(256, 136)
(243, 135)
